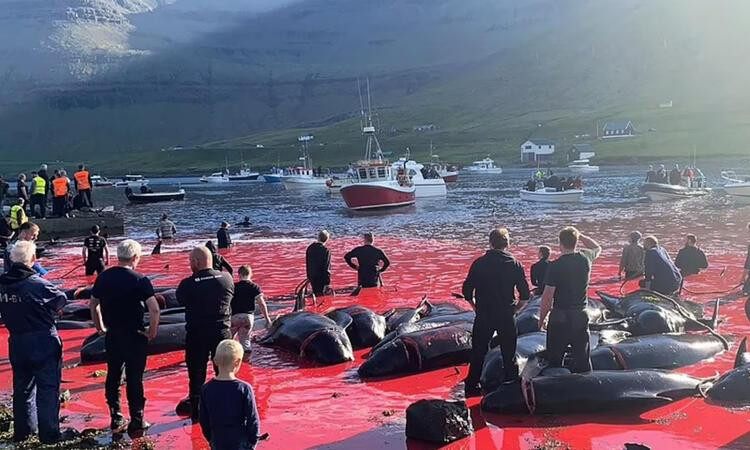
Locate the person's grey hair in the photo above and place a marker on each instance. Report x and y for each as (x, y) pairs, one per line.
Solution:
(23, 252)
(128, 249)
(43, 167)
(63, 173)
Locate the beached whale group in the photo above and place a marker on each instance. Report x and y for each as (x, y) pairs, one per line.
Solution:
(636, 341)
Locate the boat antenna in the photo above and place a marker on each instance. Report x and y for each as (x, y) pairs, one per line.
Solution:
(369, 131)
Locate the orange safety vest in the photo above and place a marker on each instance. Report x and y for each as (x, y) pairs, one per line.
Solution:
(82, 178)
(60, 186)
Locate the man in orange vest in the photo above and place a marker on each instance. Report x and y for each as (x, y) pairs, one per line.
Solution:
(82, 180)
(60, 192)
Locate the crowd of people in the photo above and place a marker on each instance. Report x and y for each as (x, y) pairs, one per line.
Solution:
(690, 176)
(551, 180)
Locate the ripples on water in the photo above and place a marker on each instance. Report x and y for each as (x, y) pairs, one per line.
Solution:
(612, 207)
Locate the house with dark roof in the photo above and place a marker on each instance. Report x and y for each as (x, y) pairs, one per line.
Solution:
(537, 150)
(618, 129)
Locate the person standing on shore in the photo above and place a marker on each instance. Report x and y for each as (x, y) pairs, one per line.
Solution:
(18, 215)
(318, 264)
(207, 297)
(371, 262)
(29, 308)
(61, 192)
(565, 298)
(38, 196)
(82, 180)
(22, 190)
(493, 280)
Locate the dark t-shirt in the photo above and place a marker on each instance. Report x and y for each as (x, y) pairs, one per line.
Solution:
(95, 246)
(244, 297)
(569, 275)
(691, 260)
(368, 257)
(539, 272)
(207, 297)
(228, 414)
(223, 238)
(122, 293)
(318, 262)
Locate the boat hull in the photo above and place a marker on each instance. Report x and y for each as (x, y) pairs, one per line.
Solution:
(131, 184)
(252, 177)
(484, 171)
(552, 196)
(430, 188)
(739, 191)
(359, 196)
(303, 182)
(157, 197)
(212, 180)
(658, 192)
(450, 177)
(272, 178)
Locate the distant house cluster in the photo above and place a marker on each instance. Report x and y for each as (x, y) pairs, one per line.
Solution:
(537, 150)
(618, 129)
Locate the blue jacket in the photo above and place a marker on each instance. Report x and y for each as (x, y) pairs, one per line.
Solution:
(29, 303)
(664, 276)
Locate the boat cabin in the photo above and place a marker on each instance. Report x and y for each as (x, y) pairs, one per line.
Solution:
(300, 171)
(374, 172)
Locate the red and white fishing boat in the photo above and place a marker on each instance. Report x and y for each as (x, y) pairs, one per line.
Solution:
(374, 183)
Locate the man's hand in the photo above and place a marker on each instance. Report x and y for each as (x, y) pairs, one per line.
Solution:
(150, 333)
(542, 323)
(102, 331)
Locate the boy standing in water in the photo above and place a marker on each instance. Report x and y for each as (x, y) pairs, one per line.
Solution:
(228, 412)
(246, 293)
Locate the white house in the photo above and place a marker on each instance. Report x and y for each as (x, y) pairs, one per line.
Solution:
(618, 129)
(537, 150)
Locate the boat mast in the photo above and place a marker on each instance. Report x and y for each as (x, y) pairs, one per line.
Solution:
(368, 128)
(306, 160)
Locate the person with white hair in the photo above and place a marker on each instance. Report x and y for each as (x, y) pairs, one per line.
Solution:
(119, 300)
(29, 306)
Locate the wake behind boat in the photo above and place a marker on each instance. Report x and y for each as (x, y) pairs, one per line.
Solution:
(154, 197)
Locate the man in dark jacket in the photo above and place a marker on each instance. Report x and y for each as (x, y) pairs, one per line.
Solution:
(492, 281)
(207, 296)
(222, 236)
(662, 275)
(691, 259)
(29, 306)
(318, 264)
(539, 270)
(369, 260)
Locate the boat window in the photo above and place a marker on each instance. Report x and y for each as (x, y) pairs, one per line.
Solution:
(373, 172)
(381, 172)
(412, 172)
(363, 173)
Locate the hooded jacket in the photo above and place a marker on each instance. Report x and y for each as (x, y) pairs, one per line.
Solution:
(29, 303)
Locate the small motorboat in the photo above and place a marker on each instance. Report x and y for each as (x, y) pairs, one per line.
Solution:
(100, 181)
(154, 197)
(552, 195)
(216, 177)
(245, 174)
(304, 176)
(662, 192)
(132, 182)
(449, 174)
(484, 166)
(582, 166)
(738, 186)
(274, 176)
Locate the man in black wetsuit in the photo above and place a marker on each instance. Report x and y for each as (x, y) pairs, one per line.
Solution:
(95, 252)
(318, 264)
(369, 259)
(207, 297)
(691, 259)
(566, 294)
(493, 279)
(222, 236)
(539, 270)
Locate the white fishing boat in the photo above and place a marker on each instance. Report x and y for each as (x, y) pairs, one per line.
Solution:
(582, 166)
(216, 177)
(132, 181)
(737, 185)
(100, 181)
(486, 165)
(428, 181)
(662, 192)
(552, 195)
(304, 176)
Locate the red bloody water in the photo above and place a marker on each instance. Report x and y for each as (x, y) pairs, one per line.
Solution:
(304, 406)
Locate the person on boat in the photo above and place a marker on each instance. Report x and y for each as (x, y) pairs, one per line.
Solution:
(219, 263)
(565, 298)
(539, 175)
(531, 185)
(166, 229)
(651, 175)
(318, 264)
(222, 236)
(553, 181)
(578, 183)
(119, 300)
(207, 297)
(82, 181)
(146, 190)
(61, 192)
(95, 252)
(688, 175)
(38, 196)
(691, 259)
(491, 286)
(675, 176)
(245, 223)
(661, 275)
(539, 269)
(22, 190)
(29, 309)
(661, 175)
(371, 262)
(631, 260)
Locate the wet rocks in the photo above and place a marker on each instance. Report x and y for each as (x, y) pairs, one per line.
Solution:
(438, 421)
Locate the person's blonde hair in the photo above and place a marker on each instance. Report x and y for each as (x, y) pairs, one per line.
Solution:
(651, 241)
(228, 352)
(569, 237)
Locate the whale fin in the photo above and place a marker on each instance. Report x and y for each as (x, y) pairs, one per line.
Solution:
(647, 396)
(742, 358)
(715, 317)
